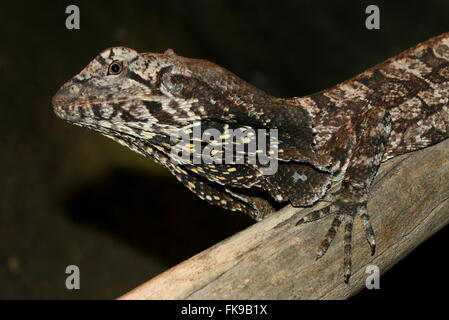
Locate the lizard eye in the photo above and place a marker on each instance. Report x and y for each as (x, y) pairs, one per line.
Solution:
(115, 67)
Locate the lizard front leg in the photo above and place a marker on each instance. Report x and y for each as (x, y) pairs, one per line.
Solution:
(371, 135)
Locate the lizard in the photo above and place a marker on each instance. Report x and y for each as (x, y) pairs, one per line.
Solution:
(339, 135)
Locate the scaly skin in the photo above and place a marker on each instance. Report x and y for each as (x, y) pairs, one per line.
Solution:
(341, 134)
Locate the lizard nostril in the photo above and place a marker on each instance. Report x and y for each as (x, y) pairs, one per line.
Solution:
(74, 89)
(64, 95)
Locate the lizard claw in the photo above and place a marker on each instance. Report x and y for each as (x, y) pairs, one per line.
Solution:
(362, 212)
(345, 211)
(347, 276)
(373, 250)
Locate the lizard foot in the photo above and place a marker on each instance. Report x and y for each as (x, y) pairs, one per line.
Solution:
(345, 208)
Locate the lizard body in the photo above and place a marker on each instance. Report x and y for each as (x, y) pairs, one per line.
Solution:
(340, 134)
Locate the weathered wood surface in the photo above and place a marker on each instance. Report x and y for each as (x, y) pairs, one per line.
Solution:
(273, 259)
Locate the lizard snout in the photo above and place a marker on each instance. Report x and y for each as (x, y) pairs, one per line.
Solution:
(63, 102)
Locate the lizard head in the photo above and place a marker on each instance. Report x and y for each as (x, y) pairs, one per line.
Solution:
(134, 93)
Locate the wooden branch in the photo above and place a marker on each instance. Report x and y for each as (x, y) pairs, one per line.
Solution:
(273, 259)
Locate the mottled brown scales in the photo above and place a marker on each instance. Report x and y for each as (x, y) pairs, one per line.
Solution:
(341, 134)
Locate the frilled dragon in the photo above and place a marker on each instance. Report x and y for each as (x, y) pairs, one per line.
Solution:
(340, 134)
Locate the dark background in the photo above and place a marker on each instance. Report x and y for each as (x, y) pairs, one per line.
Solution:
(70, 196)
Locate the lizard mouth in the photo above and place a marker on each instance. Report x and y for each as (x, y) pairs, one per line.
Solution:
(73, 107)
(68, 110)
(66, 113)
